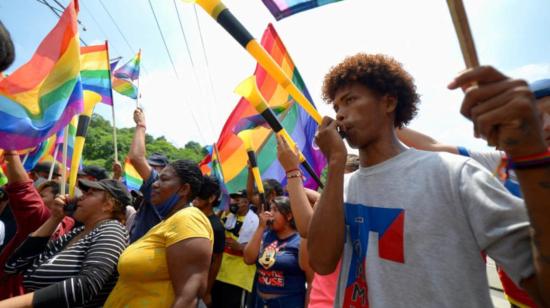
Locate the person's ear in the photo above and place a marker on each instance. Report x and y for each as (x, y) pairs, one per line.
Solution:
(391, 103)
(185, 191)
(212, 199)
(108, 205)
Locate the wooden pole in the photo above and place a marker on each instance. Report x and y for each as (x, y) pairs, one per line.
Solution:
(112, 106)
(462, 28)
(62, 189)
(50, 175)
(138, 94)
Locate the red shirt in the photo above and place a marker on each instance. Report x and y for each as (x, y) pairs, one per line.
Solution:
(30, 213)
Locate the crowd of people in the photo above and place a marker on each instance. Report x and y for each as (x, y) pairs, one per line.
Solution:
(407, 222)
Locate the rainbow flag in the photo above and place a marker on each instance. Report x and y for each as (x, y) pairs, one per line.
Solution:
(95, 71)
(256, 120)
(231, 152)
(125, 87)
(130, 70)
(131, 177)
(41, 97)
(214, 169)
(40, 153)
(284, 8)
(3, 177)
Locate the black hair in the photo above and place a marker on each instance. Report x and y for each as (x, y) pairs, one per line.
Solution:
(189, 173)
(282, 203)
(7, 51)
(210, 187)
(273, 185)
(56, 188)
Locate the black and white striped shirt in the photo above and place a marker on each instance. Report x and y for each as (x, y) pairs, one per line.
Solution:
(80, 275)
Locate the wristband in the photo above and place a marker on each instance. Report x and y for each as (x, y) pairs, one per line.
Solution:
(291, 170)
(530, 161)
(141, 125)
(292, 174)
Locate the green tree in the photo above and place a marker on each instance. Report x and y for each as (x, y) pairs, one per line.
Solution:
(98, 149)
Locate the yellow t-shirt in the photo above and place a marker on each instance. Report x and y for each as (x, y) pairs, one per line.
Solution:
(233, 270)
(144, 280)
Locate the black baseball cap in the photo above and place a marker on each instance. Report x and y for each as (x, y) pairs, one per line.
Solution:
(94, 171)
(239, 194)
(116, 188)
(45, 167)
(157, 160)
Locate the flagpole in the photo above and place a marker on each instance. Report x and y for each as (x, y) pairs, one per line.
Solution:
(114, 134)
(50, 175)
(219, 159)
(62, 189)
(25, 158)
(138, 95)
(112, 106)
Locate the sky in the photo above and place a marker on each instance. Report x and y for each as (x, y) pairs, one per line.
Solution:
(191, 99)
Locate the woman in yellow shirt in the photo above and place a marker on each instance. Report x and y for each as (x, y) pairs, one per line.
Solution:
(168, 266)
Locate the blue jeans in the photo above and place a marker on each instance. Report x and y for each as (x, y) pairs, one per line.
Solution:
(285, 301)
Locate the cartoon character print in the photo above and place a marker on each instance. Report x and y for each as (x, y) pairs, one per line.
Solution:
(269, 255)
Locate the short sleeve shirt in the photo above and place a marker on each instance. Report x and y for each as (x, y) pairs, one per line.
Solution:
(144, 279)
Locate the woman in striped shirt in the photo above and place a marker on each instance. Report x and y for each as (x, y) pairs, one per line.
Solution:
(78, 269)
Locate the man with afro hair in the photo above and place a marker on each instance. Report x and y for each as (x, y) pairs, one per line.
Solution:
(409, 226)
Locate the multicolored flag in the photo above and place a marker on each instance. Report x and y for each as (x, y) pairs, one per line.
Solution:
(95, 71)
(40, 153)
(125, 87)
(284, 8)
(41, 97)
(131, 177)
(256, 120)
(3, 177)
(130, 70)
(231, 152)
(216, 171)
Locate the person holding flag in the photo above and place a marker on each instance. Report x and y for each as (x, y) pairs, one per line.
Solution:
(437, 197)
(31, 207)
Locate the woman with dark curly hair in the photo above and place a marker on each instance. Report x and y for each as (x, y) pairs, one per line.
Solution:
(405, 216)
(168, 266)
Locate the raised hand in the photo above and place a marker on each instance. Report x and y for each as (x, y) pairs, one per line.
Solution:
(502, 109)
(139, 117)
(330, 142)
(289, 158)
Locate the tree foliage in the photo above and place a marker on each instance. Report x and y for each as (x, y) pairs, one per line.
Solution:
(98, 149)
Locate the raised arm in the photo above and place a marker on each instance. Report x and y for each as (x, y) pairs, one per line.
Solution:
(299, 203)
(325, 245)
(503, 111)
(14, 168)
(137, 149)
(423, 142)
(252, 248)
